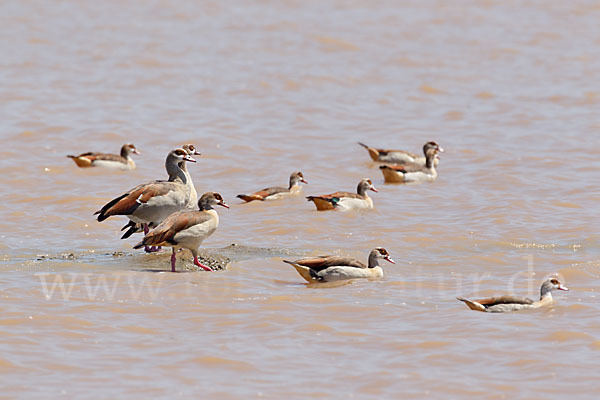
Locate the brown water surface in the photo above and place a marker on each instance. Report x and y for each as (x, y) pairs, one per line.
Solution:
(509, 89)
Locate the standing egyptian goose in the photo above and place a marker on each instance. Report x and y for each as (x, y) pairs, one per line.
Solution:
(150, 203)
(400, 156)
(513, 303)
(337, 268)
(344, 201)
(273, 193)
(191, 150)
(187, 229)
(133, 227)
(413, 172)
(104, 160)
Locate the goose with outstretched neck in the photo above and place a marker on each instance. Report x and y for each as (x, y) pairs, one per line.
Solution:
(133, 227)
(187, 229)
(515, 303)
(274, 193)
(400, 156)
(413, 172)
(344, 201)
(150, 203)
(192, 151)
(337, 268)
(106, 160)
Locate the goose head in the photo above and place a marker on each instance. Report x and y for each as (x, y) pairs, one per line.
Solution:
(180, 155)
(191, 149)
(128, 149)
(429, 146)
(379, 253)
(551, 284)
(296, 177)
(364, 185)
(210, 199)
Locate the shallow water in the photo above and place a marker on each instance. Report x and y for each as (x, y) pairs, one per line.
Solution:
(510, 91)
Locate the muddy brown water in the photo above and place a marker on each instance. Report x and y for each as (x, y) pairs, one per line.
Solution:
(265, 88)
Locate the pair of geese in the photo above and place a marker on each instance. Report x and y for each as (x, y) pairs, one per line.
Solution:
(341, 201)
(405, 167)
(166, 205)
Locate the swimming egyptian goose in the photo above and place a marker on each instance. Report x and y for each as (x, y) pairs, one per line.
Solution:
(273, 193)
(344, 201)
(413, 172)
(513, 303)
(113, 161)
(150, 203)
(187, 229)
(400, 156)
(336, 268)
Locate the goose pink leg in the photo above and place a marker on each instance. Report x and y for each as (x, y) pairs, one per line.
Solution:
(204, 267)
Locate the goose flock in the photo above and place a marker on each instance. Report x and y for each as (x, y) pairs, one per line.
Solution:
(170, 214)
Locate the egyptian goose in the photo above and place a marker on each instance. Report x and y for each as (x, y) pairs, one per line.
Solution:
(400, 156)
(344, 201)
(513, 303)
(187, 229)
(150, 203)
(413, 172)
(113, 161)
(337, 268)
(133, 227)
(273, 193)
(191, 150)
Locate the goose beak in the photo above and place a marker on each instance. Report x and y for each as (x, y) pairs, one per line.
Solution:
(222, 203)
(303, 181)
(388, 258)
(197, 153)
(373, 189)
(188, 158)
(440, 149)
(136, 151)
(560, 287)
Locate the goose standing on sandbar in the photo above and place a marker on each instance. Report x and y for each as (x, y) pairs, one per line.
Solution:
(514, 303)
(344, 201)
(191, 150)
(273, 193)
(336, 268)
(150, 203)
(187, 229)
(133, 227)
(105, 160)
(413, 172)
(400, 156)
